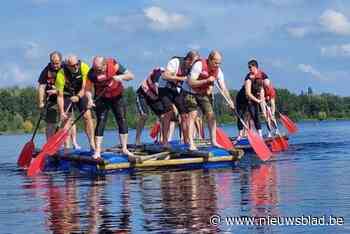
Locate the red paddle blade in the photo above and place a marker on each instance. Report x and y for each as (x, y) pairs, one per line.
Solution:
(53, 148)
(37, 165)
(58, 139)
(284, 143)
(223, 140)
(276, 146)
(259, 145)
(288, 124)
(26, 154)
(155, 130)
(48, 149)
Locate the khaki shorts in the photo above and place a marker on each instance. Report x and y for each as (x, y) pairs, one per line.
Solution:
(204, 102)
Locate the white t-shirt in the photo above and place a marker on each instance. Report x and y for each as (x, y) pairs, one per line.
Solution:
(173, 66)
(196, 71)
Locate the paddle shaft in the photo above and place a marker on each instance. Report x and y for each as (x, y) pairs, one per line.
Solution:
(40, 118)
(258, 144)
(83, 112)
(269, 115)
(228, 101)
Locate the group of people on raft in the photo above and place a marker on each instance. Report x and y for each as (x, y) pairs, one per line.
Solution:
(174, 93)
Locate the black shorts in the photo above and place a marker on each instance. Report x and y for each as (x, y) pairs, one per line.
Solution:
(81, 105)
(143, 103)
(118, 107)
(51, 113)
(170, 97)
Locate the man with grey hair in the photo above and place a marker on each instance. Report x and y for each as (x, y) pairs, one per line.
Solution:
(47, 92)
(70, 84)
(106, 78)
(203, 74)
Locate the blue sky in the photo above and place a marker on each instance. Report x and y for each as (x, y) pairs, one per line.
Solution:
(299, 43)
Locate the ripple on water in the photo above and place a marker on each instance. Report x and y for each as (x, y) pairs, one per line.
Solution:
(311, 178)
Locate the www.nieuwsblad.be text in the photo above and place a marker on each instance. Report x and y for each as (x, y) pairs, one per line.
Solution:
(325, 220)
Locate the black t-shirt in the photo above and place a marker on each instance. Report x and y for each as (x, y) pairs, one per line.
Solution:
(257, 84)
(48, 76)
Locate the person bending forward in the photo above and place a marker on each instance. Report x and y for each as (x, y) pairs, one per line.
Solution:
(106, 76)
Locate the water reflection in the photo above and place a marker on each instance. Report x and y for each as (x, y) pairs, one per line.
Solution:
(189, 199)
(161, 201)
(259, 193)
(309, 178)
(62, 208)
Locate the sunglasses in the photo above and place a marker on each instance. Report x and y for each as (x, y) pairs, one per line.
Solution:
(73, 65)
(216, 63)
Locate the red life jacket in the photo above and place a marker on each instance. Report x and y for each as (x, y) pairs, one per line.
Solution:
(113, 88)
(205, 74)
(149, 85)
(269, 91)
(257, 82)
(260, 75)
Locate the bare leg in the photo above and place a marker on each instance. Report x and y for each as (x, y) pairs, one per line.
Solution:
(192, 117)
(197, 132)
(89, 129)
(273, 111)
(165, 125)
(139, 127)
(171, 130)
(124, 142)
(67, 143)
(241, 134)
(98, 144)
(74, 137)
(184, 123)
(212, 128)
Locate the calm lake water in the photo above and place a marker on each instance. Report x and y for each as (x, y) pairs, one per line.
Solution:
(311, 179)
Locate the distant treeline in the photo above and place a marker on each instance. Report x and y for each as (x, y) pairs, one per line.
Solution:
(19, 111)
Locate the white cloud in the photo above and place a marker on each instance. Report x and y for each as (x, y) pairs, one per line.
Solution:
(336, 50)
(335, 22)
(31, 50)
(127, 23)
(298, 32)
(14, 74)
(161, 20)
(307, 68)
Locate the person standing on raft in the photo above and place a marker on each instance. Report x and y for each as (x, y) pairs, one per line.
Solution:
(147, 97)
(203, 74)
(172, 91)
(70, 85)
(47, 96)
(106, 76)
(250, 96)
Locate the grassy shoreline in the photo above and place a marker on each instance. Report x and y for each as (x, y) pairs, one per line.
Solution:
(21, 131)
